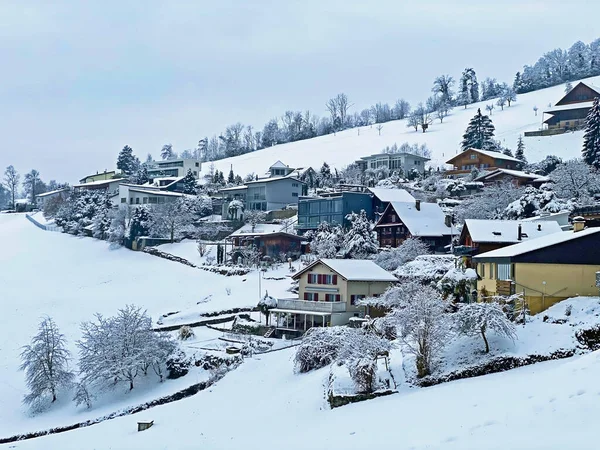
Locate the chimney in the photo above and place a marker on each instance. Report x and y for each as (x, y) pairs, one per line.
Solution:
(578, 224)
(418, 205)
(520, 232)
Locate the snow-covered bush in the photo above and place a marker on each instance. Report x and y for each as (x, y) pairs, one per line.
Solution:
(46, 364)
(265, 305)
(326, 241)
(533, 202)
(426, 268)
(490, 204)
(589, 338)
(119, 348)
(407, 251)
(79, 210)
(178, 365)
(319, 348)
(360, 241)
(458, 283)
(478, 318)
(363, 372)
(574, 179)
(185, 333)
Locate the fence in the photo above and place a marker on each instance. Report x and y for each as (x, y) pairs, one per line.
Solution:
(43, 227)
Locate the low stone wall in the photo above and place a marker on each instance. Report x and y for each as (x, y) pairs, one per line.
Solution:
(548, 132)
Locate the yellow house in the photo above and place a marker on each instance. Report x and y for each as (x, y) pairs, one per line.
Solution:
(547, 269)
(329, 291)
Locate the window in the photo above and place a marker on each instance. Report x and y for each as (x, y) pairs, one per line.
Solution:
(145, 200)
(332, 297)
(152, 200)
(195, 173)
(197, 165)
(312, 278)
(473, 156)
(294, 184)
(492, 277)
(123, 200)
(314, 207)
(131, 201)
(311, 296)
(355, 298)
(294, 194)
(482, 270)
(393, 217)
(504, 272)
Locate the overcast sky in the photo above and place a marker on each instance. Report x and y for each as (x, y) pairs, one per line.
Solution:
(79, 80)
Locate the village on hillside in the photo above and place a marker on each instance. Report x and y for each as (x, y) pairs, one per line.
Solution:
(386, 276)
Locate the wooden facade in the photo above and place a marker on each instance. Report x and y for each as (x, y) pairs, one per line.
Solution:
(271, 244)
(570, 112)
(472, 158)
(515, 177)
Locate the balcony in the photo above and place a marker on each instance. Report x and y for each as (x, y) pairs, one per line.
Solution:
(309, 306)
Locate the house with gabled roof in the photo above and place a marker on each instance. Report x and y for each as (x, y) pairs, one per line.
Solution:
(426, 221)
(474, 158)
(330, 291)
(517, 177)
(569, 112)
(546, 269)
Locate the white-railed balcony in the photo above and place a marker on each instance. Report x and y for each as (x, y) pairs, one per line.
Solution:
(306, 305)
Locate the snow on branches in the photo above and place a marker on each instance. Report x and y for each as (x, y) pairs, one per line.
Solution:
(407, 251)
(478, 318)
(360, 241)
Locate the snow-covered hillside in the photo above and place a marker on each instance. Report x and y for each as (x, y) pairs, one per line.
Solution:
(442, 139)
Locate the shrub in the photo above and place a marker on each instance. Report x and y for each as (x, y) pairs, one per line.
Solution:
(178, 365)
(363, 372)
(185, 333)
(590, 338)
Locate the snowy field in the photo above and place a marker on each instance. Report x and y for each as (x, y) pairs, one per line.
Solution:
(442, 139)
(70, 279)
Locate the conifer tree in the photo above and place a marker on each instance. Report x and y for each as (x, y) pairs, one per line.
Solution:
(360, 242)
(479, 134)
(189, 183)
(520, 152)
(591, 137)
(126, 161)
(231, 177)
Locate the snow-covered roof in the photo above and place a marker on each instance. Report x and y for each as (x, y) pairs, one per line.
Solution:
(109, 172)
(259, 228)
(234, 188)
(561, 217)
(428, 220)
(57, 191)
(536, 244)
(503, 231)
(569, 107)
(514, 173)
(278, 165)
(354, 269)
(496, 155)
(156, 192)
(101, 182)
(270, 179)
(392, 195)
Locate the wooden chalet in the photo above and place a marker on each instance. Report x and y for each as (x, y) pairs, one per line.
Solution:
(517, 177)
(473, 158)
(569, 112)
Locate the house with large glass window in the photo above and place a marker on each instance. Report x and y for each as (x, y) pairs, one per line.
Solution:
(329, 294)
(173, 168)
(332, 208)
(546, 270)
(134, 194)
(474, 158)
(393, 161)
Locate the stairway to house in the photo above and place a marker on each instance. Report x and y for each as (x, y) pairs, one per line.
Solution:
(269, 332)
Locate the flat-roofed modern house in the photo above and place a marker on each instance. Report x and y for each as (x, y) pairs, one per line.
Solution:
(402, 220)
(173, 168)
(547, 269)
(329, 294)
(473, 158)
(134, 194)
(332, 208)
(569, 112)
(99, 176)
(393, 161)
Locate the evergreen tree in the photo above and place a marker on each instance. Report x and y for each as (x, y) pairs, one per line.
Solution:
(591, 137)
(140, 222)
(231, 177)
(126, 161)
(142, 175)
(520, 152)
(238, 180)
(167, 152)
(189, 183)
(360, 242)
(221, 178)
(479, 134)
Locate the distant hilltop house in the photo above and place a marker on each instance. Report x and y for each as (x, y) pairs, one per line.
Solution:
(546, 269)
(474, 158)
(281, 187)
(175, 168)
(329, 294)
(41, 199)
(134, 194)
(517, 177)
(393, 161)
(569, 112)
(109, 185)
(426, 221)
(99, 176)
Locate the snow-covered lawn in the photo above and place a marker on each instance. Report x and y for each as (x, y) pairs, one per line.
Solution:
(70, 279)
(443, 139)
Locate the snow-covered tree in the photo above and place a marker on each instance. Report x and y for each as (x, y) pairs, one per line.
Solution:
(407, 251)
(189, 183)
(568, 87)
(508, 94)
(468, 88)
(120, 348)
(266, 304)
(119, 225)
(546, 166)
(167, 152)
(172, 220)
(591, 136)
(360, 241)
(11, 181)
(414, 120)
(534, 202)
(102, 218)
(458, 284)
(140, 222)
(423, 326)
(126, 161)
(79, 210)
(235, 209)
(478, 318)
(490, 204)
(442, 85)
(326, 241)
(325, 177)
(520, 152)
(46, 363)
(231, 177)
(254, 217)
(32, 184)
(575, 179)
(579, 60)
(479, 134)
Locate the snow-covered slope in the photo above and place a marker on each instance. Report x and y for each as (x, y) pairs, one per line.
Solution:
(546, 406)
(443, 139)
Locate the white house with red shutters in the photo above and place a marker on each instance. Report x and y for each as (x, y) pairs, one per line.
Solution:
(329, 291)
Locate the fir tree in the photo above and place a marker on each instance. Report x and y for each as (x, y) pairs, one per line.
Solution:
(591, 137)
(140, 222)
(126, 161)
(520, 152)
(221, 178)
(360, 242)
(507, 152)
(189, 183)
(167, 152)
(231, 177)
(479, 134)
(142, 175)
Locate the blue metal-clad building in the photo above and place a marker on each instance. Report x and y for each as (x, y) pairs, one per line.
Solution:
(332, 208)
